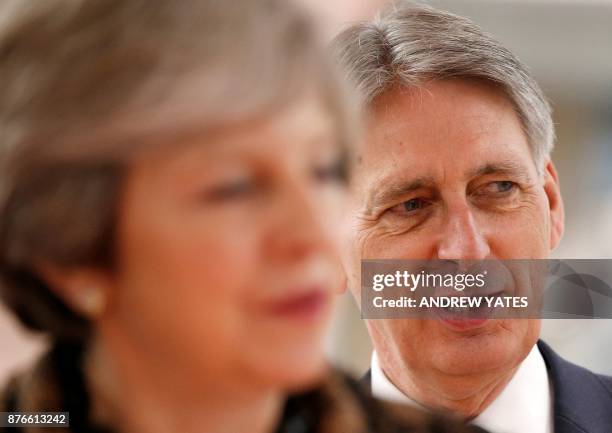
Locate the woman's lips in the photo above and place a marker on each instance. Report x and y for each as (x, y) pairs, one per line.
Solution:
(307, 305)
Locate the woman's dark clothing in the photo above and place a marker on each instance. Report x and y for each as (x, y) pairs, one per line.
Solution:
(339, 405)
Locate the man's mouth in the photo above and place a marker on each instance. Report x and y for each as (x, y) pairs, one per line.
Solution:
(473, 313)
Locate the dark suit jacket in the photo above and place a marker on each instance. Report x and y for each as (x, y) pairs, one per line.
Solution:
(582, 400)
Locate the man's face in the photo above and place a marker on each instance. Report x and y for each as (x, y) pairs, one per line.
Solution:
(446, 172)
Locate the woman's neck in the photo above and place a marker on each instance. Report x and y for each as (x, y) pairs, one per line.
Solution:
(134, 395)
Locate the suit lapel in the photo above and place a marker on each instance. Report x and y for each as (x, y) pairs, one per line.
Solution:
(366, 381)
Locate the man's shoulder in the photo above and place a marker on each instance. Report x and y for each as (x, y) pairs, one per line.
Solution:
(562, 370)
(582, 398)
(606, 382)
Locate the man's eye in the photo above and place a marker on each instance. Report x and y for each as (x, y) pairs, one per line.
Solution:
(505, 185)
(409, 206)
(500, 187)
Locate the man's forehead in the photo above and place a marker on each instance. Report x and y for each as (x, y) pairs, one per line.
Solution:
(407, 162)
(444, 112)
(462, 128)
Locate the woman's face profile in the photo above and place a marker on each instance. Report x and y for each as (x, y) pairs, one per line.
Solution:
(226, 263)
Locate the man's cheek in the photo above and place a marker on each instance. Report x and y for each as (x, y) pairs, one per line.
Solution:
(532, 224)
(378, 240)
(522, 239)
(365, 241)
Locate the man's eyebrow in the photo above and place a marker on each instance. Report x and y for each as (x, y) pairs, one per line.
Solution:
(511, 168)
(385, 192)
(389, 192)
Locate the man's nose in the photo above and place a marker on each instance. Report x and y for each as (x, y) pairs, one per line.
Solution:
(461, 237)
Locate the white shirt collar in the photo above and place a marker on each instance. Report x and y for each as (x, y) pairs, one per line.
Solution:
(523, 406)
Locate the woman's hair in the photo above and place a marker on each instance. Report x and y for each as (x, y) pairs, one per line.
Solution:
(85, 84)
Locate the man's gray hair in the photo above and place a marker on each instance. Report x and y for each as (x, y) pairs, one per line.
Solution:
(412, 43)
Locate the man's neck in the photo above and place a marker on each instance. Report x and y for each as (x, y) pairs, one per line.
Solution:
(464, 396)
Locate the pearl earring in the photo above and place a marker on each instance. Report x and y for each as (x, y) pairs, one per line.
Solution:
(92, 301)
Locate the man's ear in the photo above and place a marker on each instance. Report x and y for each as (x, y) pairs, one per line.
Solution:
(555, 204)
(84, 289)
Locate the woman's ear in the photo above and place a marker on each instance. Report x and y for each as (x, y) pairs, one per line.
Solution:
(555, 204)
(342, 282)
(84, 289)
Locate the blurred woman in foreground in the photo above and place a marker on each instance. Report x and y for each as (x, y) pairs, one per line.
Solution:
(172, 175)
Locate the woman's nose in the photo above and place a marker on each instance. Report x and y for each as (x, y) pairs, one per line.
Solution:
(301, 227)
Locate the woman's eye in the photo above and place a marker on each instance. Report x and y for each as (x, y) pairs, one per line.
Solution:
(230, 190)
(409, 206)
(335, 172)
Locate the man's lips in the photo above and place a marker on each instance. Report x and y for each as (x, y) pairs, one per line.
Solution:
(465, 318)
(307, 304)
(463, 324)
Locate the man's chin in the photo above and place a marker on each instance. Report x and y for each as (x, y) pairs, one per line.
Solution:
(468, 349)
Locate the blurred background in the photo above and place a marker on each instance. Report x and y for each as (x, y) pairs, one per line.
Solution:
(567, 44)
